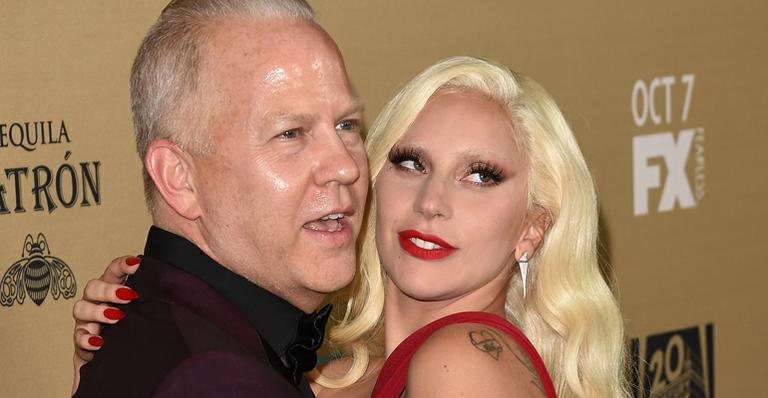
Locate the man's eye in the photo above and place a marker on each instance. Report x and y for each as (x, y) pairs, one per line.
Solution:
(348, 125)
(289, 134)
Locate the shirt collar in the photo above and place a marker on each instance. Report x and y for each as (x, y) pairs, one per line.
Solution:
(275, 319)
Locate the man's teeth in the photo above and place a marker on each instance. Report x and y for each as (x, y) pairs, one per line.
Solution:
(325, 225)
(426, 245)
(330, 223)
(334, 216)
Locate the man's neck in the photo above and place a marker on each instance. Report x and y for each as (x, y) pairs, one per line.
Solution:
(307, 301)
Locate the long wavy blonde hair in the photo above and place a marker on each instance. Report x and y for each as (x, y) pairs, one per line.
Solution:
(570, 313)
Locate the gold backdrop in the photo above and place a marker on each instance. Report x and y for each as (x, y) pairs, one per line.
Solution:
(666, 98)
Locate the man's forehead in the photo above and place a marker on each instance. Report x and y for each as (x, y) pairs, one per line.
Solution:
(272, 52)
(276, 75)
(270, 37)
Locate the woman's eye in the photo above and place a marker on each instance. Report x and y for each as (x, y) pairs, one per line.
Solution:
(407, 159)
(411, 165)
(484, 175)
(481, 177)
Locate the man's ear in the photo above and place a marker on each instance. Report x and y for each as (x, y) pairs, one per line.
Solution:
(537, 224)
(172, 171)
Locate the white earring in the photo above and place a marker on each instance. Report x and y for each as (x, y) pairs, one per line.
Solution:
(523, 262)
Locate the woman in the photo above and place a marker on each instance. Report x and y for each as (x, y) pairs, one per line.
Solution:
(482, 204)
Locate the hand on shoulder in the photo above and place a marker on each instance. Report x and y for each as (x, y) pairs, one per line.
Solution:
(471, 360)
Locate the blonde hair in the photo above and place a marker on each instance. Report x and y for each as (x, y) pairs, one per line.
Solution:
(165, 77)
(570, 313)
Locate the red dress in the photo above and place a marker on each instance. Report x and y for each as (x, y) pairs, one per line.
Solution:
(391, 381)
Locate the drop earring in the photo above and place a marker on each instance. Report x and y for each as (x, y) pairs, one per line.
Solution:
(523, 262)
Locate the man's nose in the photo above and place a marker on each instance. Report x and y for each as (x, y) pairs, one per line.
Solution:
(336, 162)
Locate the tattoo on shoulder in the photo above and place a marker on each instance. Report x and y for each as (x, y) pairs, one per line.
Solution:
(524, 360)
(484, 341)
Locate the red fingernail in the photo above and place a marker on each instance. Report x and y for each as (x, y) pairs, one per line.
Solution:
(126, 293)
(114, 314)
(132, 261)
(96, 341)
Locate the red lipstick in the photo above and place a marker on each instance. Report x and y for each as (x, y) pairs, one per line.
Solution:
(410, 247)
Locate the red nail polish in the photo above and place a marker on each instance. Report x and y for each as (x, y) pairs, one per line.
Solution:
(126, 293)
(132, 261)
(114, 314)
(96, 341)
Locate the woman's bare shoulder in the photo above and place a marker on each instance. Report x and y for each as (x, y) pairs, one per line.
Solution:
(336, 367)
(339, 367)
(471, 360)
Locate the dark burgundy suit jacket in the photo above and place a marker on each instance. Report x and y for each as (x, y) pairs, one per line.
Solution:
(180, 338)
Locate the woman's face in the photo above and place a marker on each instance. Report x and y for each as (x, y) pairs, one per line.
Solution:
(451, 200)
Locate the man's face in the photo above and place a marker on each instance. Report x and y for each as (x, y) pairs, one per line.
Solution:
(282, 192)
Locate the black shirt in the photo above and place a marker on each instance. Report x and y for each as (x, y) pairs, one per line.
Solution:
(276, 320)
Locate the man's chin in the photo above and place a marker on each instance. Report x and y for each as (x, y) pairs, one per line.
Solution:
(331, 280)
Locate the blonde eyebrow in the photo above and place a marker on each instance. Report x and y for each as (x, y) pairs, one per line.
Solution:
(294, 117)
(356, 107)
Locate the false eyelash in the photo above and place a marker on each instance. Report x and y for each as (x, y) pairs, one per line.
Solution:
(495, 172)
(399, 154)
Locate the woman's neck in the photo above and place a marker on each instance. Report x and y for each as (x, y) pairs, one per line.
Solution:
(403, 315)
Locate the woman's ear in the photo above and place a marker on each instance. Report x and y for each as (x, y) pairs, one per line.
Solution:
(172, 171)
(537, 224)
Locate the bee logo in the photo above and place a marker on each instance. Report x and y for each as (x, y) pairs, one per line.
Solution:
(35, 274)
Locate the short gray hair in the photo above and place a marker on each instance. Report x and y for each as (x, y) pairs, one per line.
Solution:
(165, 73)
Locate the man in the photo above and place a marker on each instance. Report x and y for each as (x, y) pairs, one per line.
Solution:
(256, 177)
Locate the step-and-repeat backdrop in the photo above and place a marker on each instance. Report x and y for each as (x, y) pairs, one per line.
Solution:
(668, 100)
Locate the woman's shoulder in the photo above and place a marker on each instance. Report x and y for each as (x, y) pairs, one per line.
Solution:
(336, 367)
(339, 367)
(473, 359)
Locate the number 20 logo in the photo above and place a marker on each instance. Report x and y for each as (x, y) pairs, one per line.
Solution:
(667, 366)
(674, 364)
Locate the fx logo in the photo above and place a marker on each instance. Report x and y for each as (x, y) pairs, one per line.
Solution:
(675, 152)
